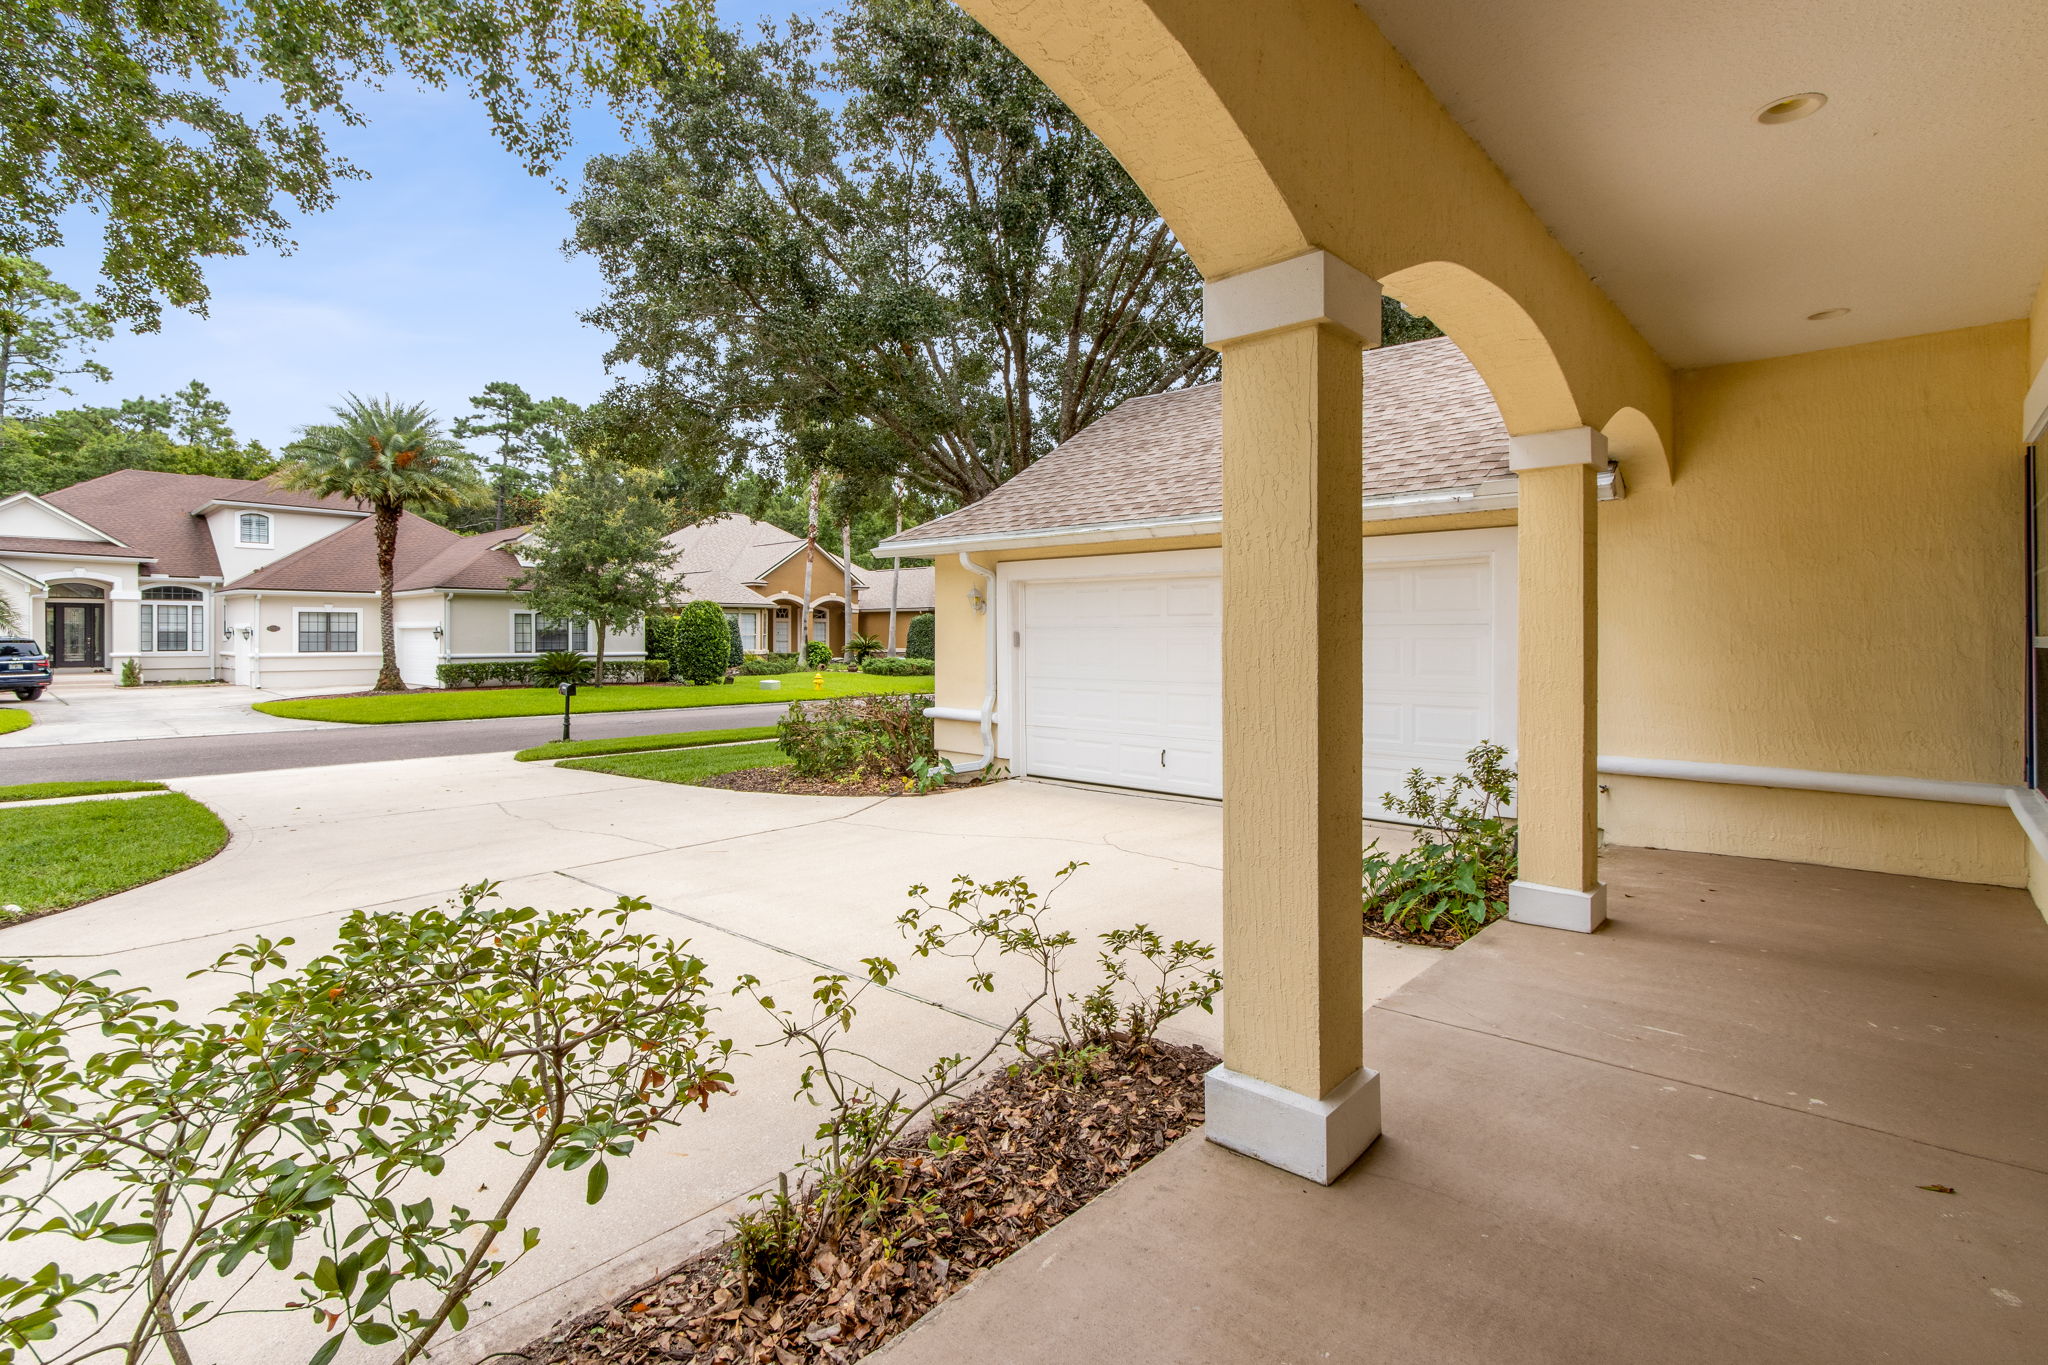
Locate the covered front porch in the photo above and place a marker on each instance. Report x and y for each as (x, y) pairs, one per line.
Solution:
(1704, 1133)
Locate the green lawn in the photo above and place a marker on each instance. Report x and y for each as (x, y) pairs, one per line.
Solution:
(636, 744)
(52, 857)
(483, 703)
(42, 791)
(685, 765)
(13, 718)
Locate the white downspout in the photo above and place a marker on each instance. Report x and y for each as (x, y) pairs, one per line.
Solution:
(988, 699)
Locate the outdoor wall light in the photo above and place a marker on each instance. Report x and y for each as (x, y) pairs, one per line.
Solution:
(979, 597)
(1792, 108)
(247, 633)
(437, 632)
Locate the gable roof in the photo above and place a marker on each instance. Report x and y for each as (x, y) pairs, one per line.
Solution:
(153, 511)
(718, 558)
(479, 562)
(1430, 423)
(71, 549)
(347, 560)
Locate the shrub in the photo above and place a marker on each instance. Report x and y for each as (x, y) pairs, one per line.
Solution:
(737, 655)
(817, 654)
(703, 644)
(131, 672)
(923, 640)
(768, 665)
(1466, 857)
(848, 738)
(660, 633)
(859, 647)
(561, 666)
(284, 1125)
(523, 672)
(898, 668)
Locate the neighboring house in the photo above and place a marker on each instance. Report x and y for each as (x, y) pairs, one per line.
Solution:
(199, 577)
(755, 571)
(1107, 633)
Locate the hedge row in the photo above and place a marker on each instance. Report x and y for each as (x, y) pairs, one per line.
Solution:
(898, 668)
(769, 664)
(520, 672)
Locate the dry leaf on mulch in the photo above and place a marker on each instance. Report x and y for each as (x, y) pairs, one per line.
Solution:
(1035, 1149)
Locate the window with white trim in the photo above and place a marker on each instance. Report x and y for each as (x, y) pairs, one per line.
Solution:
(173, 621)
(253, 528)
(750, 629)
(328, 632)
(533, 633)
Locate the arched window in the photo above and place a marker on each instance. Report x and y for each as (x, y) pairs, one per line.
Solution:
(77, 590)
(171, 622)
(254, 529)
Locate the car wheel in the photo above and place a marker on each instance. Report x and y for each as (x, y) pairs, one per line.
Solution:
(28, 693)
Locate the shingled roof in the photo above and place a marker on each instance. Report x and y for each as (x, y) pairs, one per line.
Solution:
(917, 591)
(719, 557)
(152, 510)
(1429, 424)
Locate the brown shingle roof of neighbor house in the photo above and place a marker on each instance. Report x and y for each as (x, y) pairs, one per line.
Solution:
(347, 560)
(44, 545)
(917, 593)
(153, 511)
(720, 556)
(479, 562)
(1429, 424)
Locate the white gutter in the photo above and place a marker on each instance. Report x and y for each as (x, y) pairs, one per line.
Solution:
(987, 715)
(1803, 779)
(1492, 495)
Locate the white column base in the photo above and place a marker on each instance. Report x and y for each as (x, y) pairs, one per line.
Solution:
(1317, 1139)
(1554, 907)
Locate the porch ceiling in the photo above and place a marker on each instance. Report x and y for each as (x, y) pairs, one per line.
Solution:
(1698, 1135)
(1915, 198)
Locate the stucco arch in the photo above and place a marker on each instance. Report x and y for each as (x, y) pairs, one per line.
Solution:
(1634, 442)
(1261, 131)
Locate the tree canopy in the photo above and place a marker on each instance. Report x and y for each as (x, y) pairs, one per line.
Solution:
(530, 447)
(136, 110)
(188, 432)
(45, 334)
(601, 553)
(895, 252)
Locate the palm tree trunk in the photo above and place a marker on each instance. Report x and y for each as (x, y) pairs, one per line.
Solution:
(896, 574)
(597, 679)
(846, 563)
(810, 553)
(387, 514)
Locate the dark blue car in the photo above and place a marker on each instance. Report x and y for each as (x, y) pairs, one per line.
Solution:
(24, 667)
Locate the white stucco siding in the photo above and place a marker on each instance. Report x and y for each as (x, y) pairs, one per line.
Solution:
(289, 531)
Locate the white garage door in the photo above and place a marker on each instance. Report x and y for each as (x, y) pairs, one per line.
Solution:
(1121, 678)
(1123, 683)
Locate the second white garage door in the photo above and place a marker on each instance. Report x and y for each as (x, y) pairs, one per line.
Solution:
(1121, 684)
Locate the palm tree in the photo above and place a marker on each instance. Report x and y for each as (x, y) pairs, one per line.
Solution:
(391, 456)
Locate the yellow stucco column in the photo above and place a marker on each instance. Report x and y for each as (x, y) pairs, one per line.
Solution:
(1557, 723)
(1292, 1090)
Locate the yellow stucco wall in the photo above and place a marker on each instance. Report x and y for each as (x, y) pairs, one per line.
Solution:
(1834, 581)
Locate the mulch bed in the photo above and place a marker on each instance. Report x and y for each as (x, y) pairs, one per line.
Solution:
(1037, 1148)
(787, 783)
(1448, 931)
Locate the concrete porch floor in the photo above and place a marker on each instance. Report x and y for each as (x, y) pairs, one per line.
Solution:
(1697, 1135)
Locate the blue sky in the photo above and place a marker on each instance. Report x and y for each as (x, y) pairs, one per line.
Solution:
(441, 272)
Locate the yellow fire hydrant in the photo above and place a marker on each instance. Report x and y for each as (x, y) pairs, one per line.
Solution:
(818, 681)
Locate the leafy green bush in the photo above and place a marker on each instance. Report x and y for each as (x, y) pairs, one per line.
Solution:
(1454, 882)
(848, 738)
(521, 672)
(859, 647)
(817, 654)
(737, 654)
(659, 633)
(898, 668)
(703, 644)
(284, 1126)
(561, 666)
(768, 665)
(923, 639)
(131, 673)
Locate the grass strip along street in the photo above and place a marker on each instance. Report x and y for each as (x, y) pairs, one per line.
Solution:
(484, 703)
(55, 857)
(13, 718)
(686, 765)
(635, 744)
(45, 791)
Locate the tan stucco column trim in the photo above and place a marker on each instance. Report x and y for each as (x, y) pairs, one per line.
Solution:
(1557, 726)
(1292, 1090)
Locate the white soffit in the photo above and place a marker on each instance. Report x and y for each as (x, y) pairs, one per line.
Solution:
(1917, 198)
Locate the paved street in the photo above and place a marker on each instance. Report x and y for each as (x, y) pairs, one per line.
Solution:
(319, 744)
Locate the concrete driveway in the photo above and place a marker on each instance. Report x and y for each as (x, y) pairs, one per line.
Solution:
(782, 887)
(92, 710)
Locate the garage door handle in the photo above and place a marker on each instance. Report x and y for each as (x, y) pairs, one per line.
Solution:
(1162, 758)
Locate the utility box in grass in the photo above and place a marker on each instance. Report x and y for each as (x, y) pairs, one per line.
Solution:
(771, 684)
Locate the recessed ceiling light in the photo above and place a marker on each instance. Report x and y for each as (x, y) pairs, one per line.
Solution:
(1792, 108)
(1824, 314)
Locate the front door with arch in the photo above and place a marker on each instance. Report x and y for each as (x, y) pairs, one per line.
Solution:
(75, 620)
